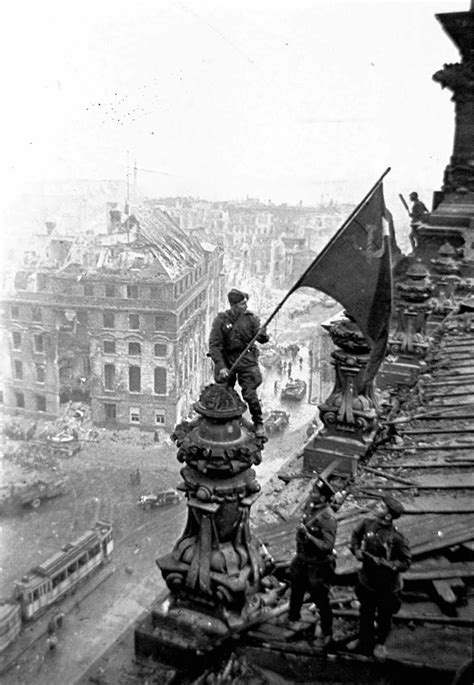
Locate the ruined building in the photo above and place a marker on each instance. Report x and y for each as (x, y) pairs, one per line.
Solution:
(119, 319)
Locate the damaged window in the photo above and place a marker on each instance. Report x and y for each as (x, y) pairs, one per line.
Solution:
(160, 350)
(16, 335)
(160, 380)
(109, 346)
(109, 320)
(109, 376)
(133, 321)
(40, 403)
(109, 290)
(39, 342)
(40, 373)
(110, 411)
(18, 369)
(160, 322)
(134, 378)
(132, 292)
(134, 348)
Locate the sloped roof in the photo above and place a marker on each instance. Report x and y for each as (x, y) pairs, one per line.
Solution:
(170, 245)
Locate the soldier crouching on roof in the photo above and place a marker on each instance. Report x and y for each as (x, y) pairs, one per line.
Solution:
(231, 332)
(384, 553)
(312, 569)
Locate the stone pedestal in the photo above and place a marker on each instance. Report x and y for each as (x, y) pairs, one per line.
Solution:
(409, 343)
(446, 278)
(350, 412)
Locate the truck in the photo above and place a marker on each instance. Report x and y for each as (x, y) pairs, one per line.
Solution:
(33, 493)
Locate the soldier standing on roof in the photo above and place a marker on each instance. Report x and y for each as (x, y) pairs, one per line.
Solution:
(231, 332)
(384, 553)
(312, 569)
(418, 209)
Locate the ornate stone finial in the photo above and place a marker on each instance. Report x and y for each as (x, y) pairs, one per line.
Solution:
(409, 339)
(219, 401)
(351, 407)
(446, 263)
(217, 566)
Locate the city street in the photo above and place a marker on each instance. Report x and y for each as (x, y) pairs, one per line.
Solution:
(99, 477)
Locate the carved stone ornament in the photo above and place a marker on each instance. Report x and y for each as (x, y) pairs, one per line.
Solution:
(217, 565)
(413, 306)
(351, 407)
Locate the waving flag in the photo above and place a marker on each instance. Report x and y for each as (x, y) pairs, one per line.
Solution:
(355, 269)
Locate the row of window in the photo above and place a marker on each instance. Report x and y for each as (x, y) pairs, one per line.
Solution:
(131, 291)
(192, 306)
(35, 315)
(135, 379)
(110, 410)
(40, 401)
(40, 371)
(135, 348)
(162, 321)
(38, 341)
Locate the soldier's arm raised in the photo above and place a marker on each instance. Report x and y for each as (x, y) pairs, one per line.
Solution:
(262, 336)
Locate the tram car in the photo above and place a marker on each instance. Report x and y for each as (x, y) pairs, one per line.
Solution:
(50, 581)
(10, 622)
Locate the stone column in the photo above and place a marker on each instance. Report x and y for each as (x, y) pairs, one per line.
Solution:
(452, 217)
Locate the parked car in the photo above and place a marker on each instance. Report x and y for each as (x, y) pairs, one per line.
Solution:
(170, 496)
(294, 390)
(277, 420)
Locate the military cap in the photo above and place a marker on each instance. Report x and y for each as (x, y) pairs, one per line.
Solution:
(324, 488)
(395, 508)
(234, 296)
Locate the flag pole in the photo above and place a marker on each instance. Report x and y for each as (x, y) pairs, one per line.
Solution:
(315, 261)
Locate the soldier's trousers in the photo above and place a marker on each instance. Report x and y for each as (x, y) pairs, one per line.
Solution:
(249, 378)
(315, 579)
(375, 605)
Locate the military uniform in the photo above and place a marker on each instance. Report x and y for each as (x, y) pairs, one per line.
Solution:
(385, 554)
(230, 334)
(418, 211)
(312, 569)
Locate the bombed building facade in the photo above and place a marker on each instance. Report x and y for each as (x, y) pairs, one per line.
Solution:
(118, 318)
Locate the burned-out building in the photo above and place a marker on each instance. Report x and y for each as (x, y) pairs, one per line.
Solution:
(119, 319)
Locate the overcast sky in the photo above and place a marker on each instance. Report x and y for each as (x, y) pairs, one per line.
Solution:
(283, 99)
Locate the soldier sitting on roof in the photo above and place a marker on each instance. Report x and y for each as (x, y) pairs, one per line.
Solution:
(231, 332)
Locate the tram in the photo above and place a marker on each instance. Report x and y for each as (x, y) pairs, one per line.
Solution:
(50, 581)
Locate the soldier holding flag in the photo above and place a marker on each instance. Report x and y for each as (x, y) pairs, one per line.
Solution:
(234, 353)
